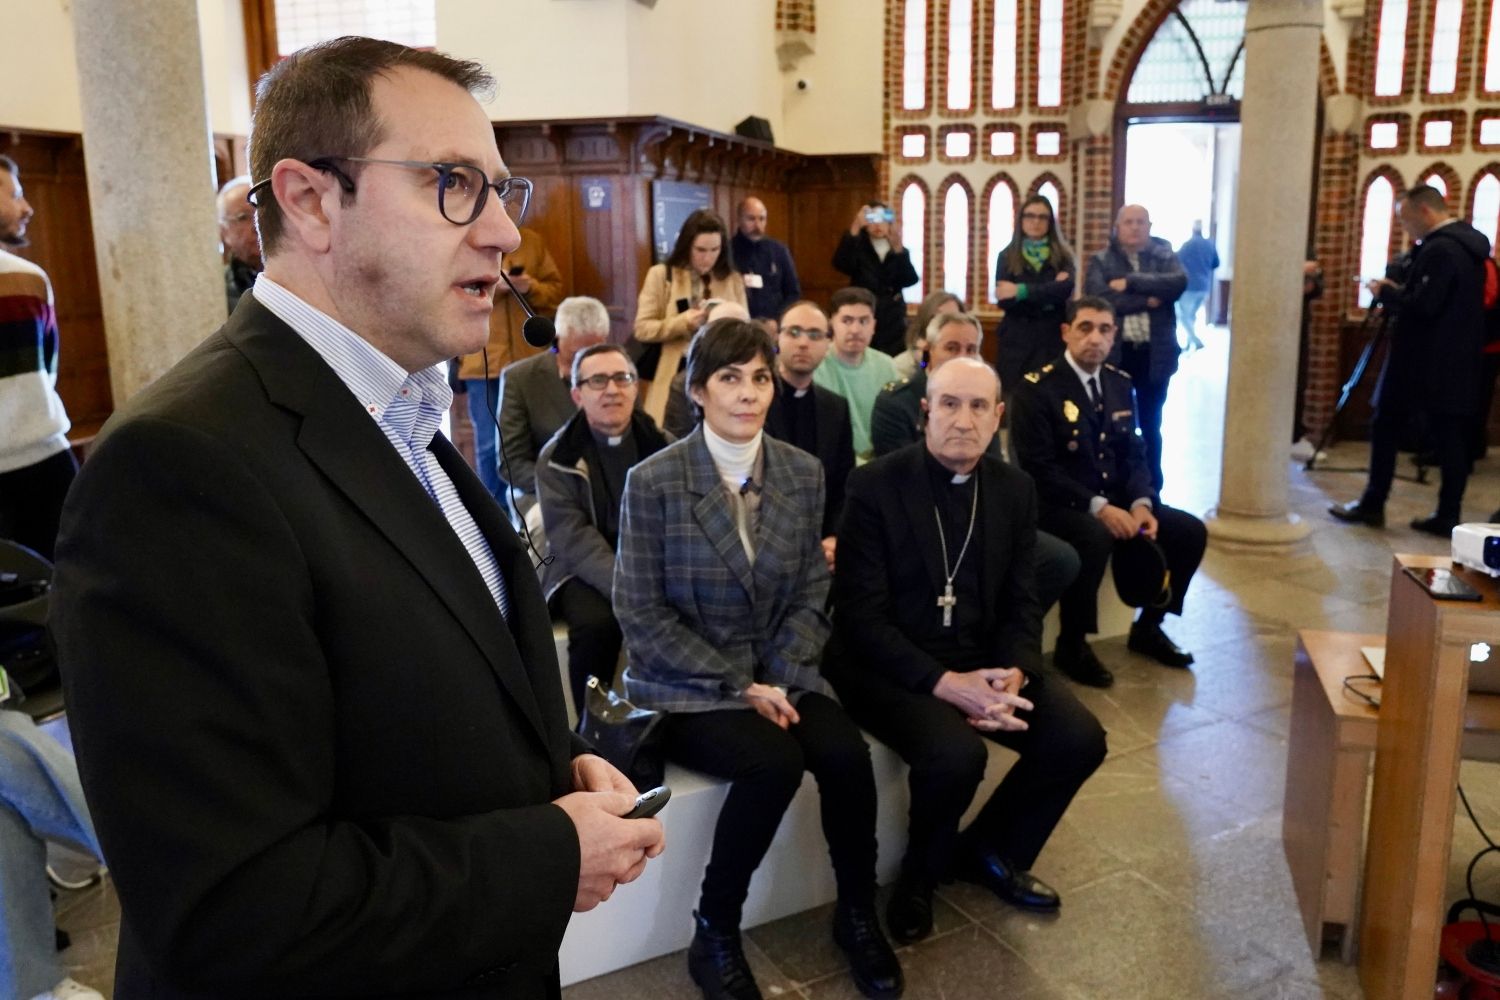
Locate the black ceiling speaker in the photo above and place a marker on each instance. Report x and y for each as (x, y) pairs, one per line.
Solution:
(755, 128)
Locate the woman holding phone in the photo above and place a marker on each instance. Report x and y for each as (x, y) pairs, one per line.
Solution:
(720, 588)
(675, 299)
(872, 255)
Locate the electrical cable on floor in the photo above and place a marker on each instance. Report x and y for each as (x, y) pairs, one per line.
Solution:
(1469, 874)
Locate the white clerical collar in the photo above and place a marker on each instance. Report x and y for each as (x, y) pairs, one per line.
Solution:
(959, 478)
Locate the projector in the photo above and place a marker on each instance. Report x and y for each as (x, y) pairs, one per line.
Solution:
(1478, 547)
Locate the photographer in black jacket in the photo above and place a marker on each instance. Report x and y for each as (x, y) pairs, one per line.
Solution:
(1433, 366)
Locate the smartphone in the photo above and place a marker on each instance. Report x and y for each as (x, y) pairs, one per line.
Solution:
(518, 270)
(876, 215)
(683, 305)
(648, 804)
(1443, 584)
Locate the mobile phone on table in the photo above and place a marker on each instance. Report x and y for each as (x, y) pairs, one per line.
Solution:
(1443, 584)
(648, 804)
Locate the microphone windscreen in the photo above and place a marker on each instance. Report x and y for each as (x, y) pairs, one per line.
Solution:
(539, 331)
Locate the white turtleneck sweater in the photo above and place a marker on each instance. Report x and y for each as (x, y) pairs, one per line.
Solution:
(735, 463)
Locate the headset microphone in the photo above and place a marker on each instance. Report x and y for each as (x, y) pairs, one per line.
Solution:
(538, 331)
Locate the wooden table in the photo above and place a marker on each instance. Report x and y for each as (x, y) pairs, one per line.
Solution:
(1425, 708)
(1331, 741)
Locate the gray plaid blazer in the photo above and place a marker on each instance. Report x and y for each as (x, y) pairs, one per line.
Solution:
(701, 624)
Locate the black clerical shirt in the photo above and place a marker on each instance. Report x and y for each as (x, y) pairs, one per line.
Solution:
(615, 461)
(801, 413)
(962, 646)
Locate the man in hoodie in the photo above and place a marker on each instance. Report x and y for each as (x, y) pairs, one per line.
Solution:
(1433, 366)
(580, 477)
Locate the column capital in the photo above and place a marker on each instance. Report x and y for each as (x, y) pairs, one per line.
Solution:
(1342, 114)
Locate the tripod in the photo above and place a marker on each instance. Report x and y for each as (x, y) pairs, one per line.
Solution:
(1376, 329)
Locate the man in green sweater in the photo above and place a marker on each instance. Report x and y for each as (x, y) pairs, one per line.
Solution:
(851, 369)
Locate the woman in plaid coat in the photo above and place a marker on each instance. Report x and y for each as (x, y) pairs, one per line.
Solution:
(720, 588)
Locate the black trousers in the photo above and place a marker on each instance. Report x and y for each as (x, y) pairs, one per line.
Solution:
(764, 764)
(1451, 435)
(1150, 397)
(593, 635)
(31, 501)
(947, 757)
(1182, 538)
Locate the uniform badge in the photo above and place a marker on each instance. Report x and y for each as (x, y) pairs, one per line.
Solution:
(1072, 445)
(1070, 411)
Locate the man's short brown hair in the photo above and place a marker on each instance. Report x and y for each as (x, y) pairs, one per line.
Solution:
(316, 102)
(851, 296)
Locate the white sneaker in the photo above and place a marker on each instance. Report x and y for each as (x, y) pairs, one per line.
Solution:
(68, 989)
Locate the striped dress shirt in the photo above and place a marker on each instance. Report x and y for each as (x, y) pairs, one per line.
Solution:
(408, 408)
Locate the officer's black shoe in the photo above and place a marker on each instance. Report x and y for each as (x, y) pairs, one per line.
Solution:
(1018, 888)
(1437, 524)
(1358, 512)
(1077, 660)
(872, 963)
(716, 961)
(1148, 639)
(908, 914)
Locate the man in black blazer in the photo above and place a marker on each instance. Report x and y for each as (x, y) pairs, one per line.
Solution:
(309, 670)
(809, 416)
(1074, 430)
(938, 643)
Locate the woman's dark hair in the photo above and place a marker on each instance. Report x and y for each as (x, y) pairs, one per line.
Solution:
(1061, 255)
(704, 220)
(917, 328)
(722, 343)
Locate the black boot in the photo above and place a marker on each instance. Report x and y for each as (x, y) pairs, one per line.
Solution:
(716, 961)
(909, 912)
(872, 963)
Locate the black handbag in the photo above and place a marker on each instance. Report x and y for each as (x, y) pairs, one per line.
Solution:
(624, 734)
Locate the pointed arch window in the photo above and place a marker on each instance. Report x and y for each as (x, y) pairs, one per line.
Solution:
(1049, 190)
(1436, 181)
(956, 229)
(1003, 44)
(1197, 54)
(1000, 227)
(914, 235)
(1492, 50)
(1375, 232)
(1486, 210)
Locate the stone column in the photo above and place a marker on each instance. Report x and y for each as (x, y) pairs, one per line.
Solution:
(1277, 131)
(148, 153)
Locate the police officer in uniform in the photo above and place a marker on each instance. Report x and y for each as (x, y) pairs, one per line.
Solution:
(1074, 430)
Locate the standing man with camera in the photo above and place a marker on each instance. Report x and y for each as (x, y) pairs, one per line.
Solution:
(1434, 364)
(871, 254)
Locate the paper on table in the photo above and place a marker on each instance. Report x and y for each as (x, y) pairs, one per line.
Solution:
(1375, 657)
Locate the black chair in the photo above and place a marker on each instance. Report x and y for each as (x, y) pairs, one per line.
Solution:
(28, 614)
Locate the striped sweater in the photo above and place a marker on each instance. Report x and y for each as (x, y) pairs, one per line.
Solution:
(33, 423)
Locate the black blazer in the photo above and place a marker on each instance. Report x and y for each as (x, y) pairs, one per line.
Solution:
(1073, 454)
(890, 571)
(835, 445)
(856, 257)
(318, 759)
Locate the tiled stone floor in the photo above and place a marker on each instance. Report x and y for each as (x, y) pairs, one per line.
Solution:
(1170, 861)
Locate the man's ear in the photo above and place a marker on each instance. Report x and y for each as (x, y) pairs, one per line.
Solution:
(303, 194)
(577, 397)
(925, 407)
(1062, 331)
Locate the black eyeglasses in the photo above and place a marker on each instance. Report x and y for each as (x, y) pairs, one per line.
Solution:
(811, 333)
(462, 189)
(598, 382)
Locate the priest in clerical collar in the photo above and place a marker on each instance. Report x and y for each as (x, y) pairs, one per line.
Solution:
(938, 647)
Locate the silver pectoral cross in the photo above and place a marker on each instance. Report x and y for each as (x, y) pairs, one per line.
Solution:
(946, 602)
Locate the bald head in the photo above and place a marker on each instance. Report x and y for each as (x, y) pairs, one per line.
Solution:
(963, 412)
(237, 222)
(753, 218)
(727, 310)
(1133, 227)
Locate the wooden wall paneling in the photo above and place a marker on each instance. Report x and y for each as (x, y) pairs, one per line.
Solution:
(62, 244)
(823, 195)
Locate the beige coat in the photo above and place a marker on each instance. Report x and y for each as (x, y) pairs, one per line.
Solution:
(506, 343)
(659, 321)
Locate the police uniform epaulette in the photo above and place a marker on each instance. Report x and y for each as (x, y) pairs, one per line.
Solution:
(1117, 371)
(893, 386)
(1036, 376)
